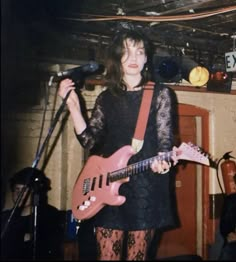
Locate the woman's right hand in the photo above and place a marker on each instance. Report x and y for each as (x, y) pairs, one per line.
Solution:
(66, 86)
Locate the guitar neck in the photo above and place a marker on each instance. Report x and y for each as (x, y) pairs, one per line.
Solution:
(138, 167)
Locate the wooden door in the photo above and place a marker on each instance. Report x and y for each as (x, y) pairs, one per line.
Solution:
(184, 239)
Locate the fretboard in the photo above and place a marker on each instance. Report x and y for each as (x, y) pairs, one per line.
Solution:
(138, 167)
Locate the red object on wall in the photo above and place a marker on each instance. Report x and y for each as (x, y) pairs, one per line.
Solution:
(228, 169)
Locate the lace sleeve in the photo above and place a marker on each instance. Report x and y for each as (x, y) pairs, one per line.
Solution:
(95, 130)
(164, 120)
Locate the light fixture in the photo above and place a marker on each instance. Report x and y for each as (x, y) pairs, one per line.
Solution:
(194, 73)
(166, 69)
(173, 69)
(220, 80)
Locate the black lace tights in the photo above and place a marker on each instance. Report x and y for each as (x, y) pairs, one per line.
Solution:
(110, 244)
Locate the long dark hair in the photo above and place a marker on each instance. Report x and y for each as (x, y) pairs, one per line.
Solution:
(114, 74)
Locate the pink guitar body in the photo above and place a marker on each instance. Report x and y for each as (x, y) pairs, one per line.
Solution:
(102, 193)
(99, 181)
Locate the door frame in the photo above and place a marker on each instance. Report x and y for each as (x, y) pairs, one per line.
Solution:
(191, 110)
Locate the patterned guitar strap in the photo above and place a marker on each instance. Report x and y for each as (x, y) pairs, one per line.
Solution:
(138, 138)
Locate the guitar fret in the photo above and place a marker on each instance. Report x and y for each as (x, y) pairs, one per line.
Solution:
(117, 175)
(137, 167)
(123, 173)
(129, 170)
(147, 164)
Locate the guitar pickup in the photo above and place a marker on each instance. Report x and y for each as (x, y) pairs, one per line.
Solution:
(100, 181)
(93, 183)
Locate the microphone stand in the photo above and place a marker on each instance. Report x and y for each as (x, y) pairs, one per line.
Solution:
(34, 165)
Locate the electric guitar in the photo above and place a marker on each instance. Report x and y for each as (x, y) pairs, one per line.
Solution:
(98, 183)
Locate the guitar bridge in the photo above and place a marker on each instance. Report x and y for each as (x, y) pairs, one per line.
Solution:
(86, 186)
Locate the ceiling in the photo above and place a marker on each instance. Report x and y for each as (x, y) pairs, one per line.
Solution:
(80, 30)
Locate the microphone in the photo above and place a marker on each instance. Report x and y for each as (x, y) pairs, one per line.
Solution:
(88, 68)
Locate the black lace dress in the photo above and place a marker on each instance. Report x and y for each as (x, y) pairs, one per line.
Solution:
(150, 198)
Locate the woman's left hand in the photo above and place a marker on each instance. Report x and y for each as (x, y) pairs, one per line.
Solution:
(160, 166)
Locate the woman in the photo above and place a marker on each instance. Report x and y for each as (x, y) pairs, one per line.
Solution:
(148, 204)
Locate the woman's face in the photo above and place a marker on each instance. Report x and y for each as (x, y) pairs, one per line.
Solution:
(134, 57)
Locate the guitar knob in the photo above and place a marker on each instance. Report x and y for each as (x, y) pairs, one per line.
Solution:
(87, 203)
(92, 198)
(82, 207)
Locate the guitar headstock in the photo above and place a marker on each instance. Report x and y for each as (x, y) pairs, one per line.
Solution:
(190, 152)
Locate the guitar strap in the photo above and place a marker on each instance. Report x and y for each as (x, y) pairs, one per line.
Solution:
(138, 139)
